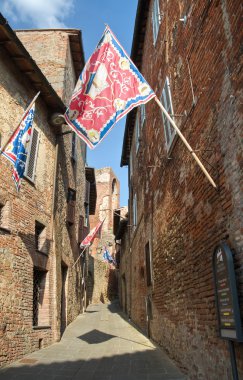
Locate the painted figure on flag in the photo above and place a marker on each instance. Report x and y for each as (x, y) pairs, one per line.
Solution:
(109, 87)
(16, 150)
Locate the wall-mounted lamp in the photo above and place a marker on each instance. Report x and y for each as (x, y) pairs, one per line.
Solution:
(183, 19)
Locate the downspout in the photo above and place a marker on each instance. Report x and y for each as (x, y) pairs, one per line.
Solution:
(55, 332)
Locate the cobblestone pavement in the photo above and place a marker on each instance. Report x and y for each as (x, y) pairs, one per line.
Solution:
(99, 345)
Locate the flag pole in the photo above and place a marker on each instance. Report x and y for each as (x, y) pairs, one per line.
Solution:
(25, 113)
(186, 143)
(79, 256)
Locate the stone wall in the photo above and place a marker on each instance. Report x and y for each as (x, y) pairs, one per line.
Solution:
(182, 215)
(102, 282)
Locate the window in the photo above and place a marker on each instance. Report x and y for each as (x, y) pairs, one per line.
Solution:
(32, 156)
(74, 148)
(40, 237)
(156, 19)
(137, 132)
(130, 164)
(167, 103)
(135, 217)
(5, 213)
(40, 298)
(86, 215)
(71, 202)
(148, 260)
(142, 114)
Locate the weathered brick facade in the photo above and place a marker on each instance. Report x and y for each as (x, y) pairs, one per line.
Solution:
(102, 276)
(180, 216)
(40, 290)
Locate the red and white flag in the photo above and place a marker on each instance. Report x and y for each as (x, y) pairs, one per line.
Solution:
(95, 232)
(109, 87)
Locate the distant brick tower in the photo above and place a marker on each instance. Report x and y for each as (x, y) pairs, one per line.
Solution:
(102, 283)
(108, 199)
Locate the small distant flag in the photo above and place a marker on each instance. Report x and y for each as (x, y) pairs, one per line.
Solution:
(109, 87)
(16, 150)
(107, 257)
(95, 232)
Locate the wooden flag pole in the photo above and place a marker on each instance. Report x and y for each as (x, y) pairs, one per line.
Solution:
(185, 142)
(79, 256)
(25, 113)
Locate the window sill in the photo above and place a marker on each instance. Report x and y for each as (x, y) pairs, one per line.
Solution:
(41, 327)
(171, 146)
(5, 230)
(42, 253)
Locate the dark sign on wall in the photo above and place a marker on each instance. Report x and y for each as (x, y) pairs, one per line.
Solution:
(230, 325)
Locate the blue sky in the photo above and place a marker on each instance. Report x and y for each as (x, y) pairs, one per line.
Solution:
(90, 16)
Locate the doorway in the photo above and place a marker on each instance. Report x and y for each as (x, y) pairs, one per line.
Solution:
(64, 270)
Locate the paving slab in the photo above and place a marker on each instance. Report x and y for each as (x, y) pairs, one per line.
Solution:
(100, 344)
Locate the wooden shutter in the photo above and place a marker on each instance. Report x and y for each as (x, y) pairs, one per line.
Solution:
(74, 149)
(71, 202)
(148, 264)
(80, 229)
(32, 156)
(87, 192)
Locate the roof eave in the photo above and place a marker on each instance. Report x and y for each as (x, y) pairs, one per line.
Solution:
(136, 56)
(27, 65)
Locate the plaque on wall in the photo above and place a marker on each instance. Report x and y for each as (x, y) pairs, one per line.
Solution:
(227, 303)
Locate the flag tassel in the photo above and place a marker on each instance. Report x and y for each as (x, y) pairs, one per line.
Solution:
(186, 143)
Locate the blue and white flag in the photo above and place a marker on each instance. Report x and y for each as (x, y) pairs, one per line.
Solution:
(16, 150)
(107, 257)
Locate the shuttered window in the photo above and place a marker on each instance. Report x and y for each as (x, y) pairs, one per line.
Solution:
(148, 260)
(71, 203)
(135, 217)
(74, 148)
(156, 19)
(87, 192)
(32, 156)
(167, 103)
(137, 131)
(142, 114)
(130, 164)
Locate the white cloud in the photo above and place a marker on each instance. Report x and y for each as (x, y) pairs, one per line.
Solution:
(38, 13)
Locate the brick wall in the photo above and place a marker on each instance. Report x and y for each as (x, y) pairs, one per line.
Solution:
(59, 281)
(51, 50)
(18, 255)
(183, 215)
(108, 199)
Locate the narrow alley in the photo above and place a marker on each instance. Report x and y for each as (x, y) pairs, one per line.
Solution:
(100, 344)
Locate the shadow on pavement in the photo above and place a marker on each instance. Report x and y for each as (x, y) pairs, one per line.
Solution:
(146, 365)
(96, 336)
